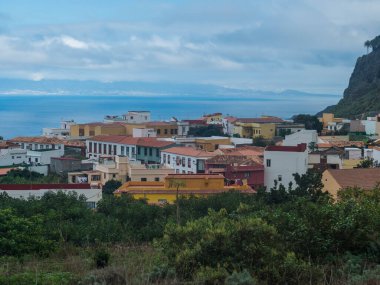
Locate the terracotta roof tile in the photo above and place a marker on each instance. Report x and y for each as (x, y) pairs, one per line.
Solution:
(365, 178)
(299, 148)
(189, 151)
(39, 140)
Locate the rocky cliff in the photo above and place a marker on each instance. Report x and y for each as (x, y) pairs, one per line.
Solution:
(362, 95)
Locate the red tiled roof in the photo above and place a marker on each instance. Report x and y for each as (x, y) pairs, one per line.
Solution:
(365, 178)
(74, 143)
(115, 139)
(230, 119)
(39, 140)
(4, 171)
(189, 151)
(153, 142)
(299, 148)
(43, 186)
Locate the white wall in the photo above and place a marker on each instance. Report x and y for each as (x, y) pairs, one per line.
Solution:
(303, 136)
(121, 149)
(43, 157)
(137, 117)
(376, 155)
(284, 164)
(12, 156)
(144, 133)
(170, 160)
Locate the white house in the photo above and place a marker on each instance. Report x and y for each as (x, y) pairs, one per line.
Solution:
(137, 117)
(185, 159)
(144, 133)
(303, 136)
(281, 162)
(111, 145)
(39, 143)
(11, 156)
(25, 191)
(62, 132)
(228, 125)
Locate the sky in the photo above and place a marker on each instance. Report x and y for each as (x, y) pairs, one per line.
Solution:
(309, 45)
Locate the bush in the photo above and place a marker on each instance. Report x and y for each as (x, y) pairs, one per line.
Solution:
(101, 258)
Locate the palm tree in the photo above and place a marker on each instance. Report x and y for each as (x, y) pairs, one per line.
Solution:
(177, 183)
(367, 44)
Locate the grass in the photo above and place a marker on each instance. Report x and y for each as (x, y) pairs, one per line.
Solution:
(73, 265)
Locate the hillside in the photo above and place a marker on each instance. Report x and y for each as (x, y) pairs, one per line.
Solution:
(362, 95)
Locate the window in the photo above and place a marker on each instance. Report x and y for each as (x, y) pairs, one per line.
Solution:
(166, 131)
(268, 163)
(183, 161)
(109, 149)
(122, 150)
(172, 131)
(247, 174)
(13, 157)
(169, 158)
(157, 179)
(114, 150)
(157, 152)
(95, 177)
(36, 159)
(104, 149)
(177, 171)
(138, 150)
(164, 158)
(189, 162)
(280, 178)
(127, 150)
(113, 175)
(133, 151)
(143, 179)
(158, 131)
(178, 160)
(90, 146)
(91, 205)
(150, 151)
(183, 172)
(175, 131)
(145, 151)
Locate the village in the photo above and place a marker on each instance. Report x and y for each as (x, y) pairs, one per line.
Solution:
(161, 160)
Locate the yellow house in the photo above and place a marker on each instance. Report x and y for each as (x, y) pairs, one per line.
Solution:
(96, 129)
(329, 118)
(187, 184)
(211, 144)
(252, 130)
(163, 129)
(335, 180)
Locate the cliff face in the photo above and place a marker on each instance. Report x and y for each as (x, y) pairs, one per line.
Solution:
(362, 95)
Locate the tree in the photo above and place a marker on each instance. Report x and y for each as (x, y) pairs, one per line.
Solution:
(310, 122)
(367, 44)
(366, 163)
(110, 186)
(206, 131)
(177, 183)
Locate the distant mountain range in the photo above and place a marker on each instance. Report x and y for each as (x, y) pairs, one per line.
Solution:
(73, 87)
(362, 96)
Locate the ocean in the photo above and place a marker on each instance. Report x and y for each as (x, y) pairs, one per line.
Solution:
(26, 115)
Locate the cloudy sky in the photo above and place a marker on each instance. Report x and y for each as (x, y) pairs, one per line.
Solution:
(266, 45)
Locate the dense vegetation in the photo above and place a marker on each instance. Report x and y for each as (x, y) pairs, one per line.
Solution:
(362, 95)
(310, 122)
(285, 236)
(206, 131)
(24, 176)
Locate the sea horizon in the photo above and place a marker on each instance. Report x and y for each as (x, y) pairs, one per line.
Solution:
(26, 115)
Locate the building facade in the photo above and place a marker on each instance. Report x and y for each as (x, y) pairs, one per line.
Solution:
(281, 162)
